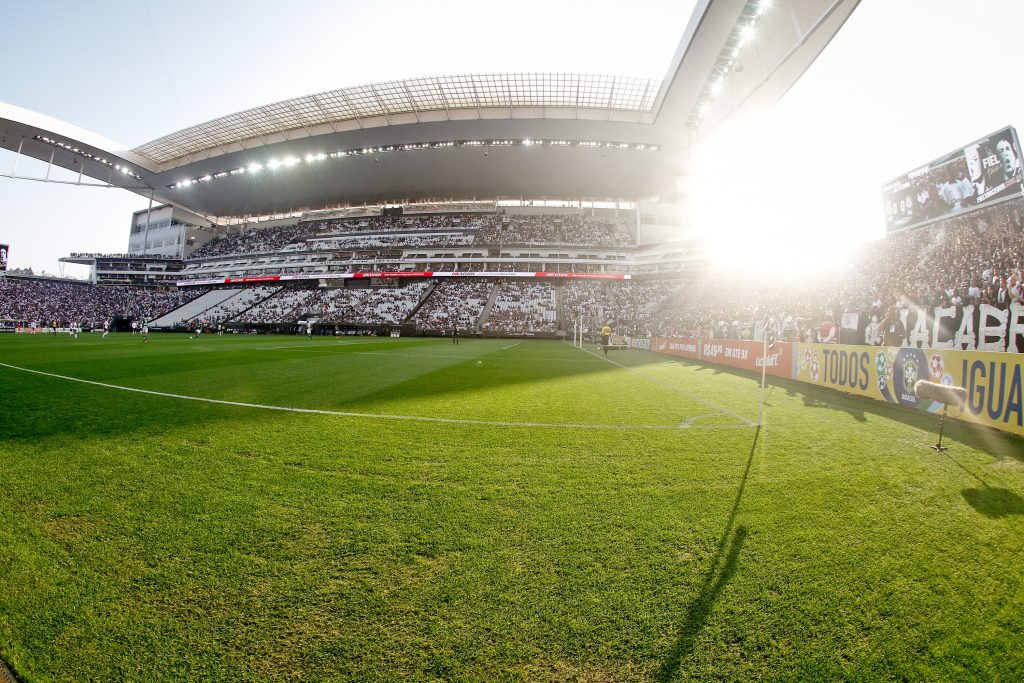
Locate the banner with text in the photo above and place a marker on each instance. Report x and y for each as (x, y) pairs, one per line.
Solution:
(993, 380)
(738, 353)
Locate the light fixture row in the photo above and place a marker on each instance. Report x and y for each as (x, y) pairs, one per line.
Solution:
(275, 163)
(741, 34)
(123, 168)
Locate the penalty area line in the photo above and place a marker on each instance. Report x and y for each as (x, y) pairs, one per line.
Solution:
(377, 416)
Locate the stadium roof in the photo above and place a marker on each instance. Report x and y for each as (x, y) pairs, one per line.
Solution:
(483, 136)
(609, 96)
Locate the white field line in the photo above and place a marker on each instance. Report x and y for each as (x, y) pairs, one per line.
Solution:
(340, 413)
(510, 346)
(710, 404)
(689, 422)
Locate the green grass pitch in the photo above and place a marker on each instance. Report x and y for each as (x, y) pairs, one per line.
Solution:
(492, 511)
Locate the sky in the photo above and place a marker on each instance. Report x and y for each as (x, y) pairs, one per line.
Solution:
(905, 81)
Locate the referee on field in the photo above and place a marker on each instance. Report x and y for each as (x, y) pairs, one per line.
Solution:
(606, 335)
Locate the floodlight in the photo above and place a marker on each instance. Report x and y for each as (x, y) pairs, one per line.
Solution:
(185, 183)
(747, 32)
(273, 164)
(255, 167)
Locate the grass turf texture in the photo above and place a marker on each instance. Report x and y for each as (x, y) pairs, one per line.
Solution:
(155, 538)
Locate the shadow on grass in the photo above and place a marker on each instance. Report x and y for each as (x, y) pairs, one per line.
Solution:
(39, 406)
(488, 370)
(988, 440)
(989, 501)
(993, 502)
(699, 610)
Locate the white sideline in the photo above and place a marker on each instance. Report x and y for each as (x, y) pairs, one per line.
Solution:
(410, 418)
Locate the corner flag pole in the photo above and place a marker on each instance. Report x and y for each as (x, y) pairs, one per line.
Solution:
(764, 369)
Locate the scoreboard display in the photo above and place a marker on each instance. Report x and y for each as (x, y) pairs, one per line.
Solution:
(974, 175)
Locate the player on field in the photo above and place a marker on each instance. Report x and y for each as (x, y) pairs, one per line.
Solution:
(606, 336)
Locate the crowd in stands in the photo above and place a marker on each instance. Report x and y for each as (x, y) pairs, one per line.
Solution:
(481, 229)
(969, 259)
(523, 308)
(965, 260)
(345, 226)
(369, 306)
(595, 231)
(369, 241)
(45, 301)
(453, 303)
(587, 299)
(251, 241)
(230, 308)
(284, 307)
(564, 229)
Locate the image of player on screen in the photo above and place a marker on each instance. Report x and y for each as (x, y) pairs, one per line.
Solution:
(1008, 158)
(976, 170)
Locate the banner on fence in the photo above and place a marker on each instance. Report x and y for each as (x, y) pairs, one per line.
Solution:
(993, 380)
(738, 353)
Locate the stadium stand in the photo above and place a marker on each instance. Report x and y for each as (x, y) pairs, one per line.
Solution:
(523, 308)
(253, 241)
(970, 259)
(194, 309)
(452, 303)
(32, 300)
(286, 306)
(446, 230)
(232, 306)
(382, 306)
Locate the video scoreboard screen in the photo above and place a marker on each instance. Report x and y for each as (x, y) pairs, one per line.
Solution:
(5, 251)
(974, 175)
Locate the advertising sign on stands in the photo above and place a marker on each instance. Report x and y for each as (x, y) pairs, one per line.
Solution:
(639, 343)
(748, 355)
(738, 353)
(993, 380)
(676, 346)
